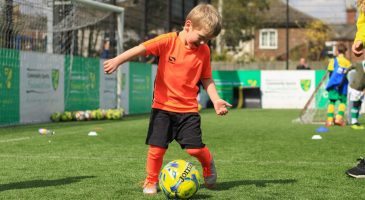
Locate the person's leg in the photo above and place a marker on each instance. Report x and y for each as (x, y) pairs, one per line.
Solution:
(355, 111)
(330, 112)
(189, 136)
(206, 160)
(356, 97)
(333, 96)
(154, 162)
(158, 138)
(355, 116)
(339, 120)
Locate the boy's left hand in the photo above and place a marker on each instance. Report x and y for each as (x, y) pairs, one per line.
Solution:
(357, 48)
(220, 107)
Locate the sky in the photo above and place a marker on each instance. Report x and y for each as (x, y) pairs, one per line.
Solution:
(331, 11)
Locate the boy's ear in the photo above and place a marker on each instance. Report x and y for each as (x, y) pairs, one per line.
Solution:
(188, 24)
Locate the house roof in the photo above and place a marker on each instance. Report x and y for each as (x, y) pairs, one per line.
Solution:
(343, 31)
(276, 15)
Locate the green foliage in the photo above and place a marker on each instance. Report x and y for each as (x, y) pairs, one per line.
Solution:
(317, 34)
(245, 58)
(297, 52)
(221, 57)
(240, 17)
(259, 154)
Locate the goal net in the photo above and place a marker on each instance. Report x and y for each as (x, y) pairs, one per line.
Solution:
(80, 31)
(315, 110)
(75, 27)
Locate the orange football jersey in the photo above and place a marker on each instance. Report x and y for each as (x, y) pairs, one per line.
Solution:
(178, 73)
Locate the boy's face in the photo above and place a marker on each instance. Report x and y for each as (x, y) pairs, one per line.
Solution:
(195, 36)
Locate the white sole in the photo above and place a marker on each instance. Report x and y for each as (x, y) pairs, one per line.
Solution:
(356, 176)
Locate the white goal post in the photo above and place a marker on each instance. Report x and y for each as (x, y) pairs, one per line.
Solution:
(112, 8)
(120, 30)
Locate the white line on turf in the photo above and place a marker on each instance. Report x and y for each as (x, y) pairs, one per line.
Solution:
(61, 157)
(113, 159)
(15, 139)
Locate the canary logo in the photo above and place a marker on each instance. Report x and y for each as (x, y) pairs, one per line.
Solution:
(305, 84)
(9, 77)
(252, 83)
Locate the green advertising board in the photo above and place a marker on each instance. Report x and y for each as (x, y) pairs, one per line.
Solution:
(9, 86)
(322, 95)
(226, 80)
(82, 80)
(140, 88)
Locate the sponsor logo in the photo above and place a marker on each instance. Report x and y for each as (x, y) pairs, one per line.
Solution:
(9, 77)
(172, 59)
(186, 172)
(55, 78)
(305, 84)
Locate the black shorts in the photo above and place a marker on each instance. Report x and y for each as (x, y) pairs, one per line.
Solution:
(167, 126)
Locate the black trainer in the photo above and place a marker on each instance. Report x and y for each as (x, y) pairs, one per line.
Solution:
(359, 170)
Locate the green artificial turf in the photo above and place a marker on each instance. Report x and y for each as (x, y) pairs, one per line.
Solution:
(259, 154)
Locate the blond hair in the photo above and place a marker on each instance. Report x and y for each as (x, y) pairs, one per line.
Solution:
(361, 5)
(205, 16)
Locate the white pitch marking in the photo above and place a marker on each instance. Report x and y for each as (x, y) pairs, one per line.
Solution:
(15, 139)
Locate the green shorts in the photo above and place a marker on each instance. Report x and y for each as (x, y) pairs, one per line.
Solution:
(334, 95)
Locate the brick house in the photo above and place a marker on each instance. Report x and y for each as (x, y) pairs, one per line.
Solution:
(344, 33)
(270, 39)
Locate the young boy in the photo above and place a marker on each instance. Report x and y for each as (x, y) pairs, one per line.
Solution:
(337, 86)
(357, 86)
(357, 48)
(184, 60)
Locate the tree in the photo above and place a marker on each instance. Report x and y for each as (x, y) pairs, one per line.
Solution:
(240, 17)
(317, 34)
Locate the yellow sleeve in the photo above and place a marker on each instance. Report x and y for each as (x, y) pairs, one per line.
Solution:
(360, 34)
(330, 66)
(344, 63)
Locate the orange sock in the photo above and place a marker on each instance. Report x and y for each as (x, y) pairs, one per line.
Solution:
(204, 157)
(154, 163)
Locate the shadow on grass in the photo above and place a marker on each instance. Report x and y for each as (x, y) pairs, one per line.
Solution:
(41, 183)
(201, 196)
(258, 183)
(53, 125)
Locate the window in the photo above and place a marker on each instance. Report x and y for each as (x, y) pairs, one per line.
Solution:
(329, 48)
(268, 39)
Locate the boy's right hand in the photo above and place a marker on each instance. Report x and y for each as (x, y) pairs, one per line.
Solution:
(357, 48)
(110, 66)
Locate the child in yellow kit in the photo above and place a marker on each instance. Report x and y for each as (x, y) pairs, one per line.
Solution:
(337, 86)
(358, 45)
(359, 85)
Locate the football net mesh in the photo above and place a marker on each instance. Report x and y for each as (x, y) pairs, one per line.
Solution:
(74, 28)
(315, 110)
(60, 26)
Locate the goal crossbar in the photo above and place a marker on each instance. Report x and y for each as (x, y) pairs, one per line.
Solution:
(99, 5)
(120, 30)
